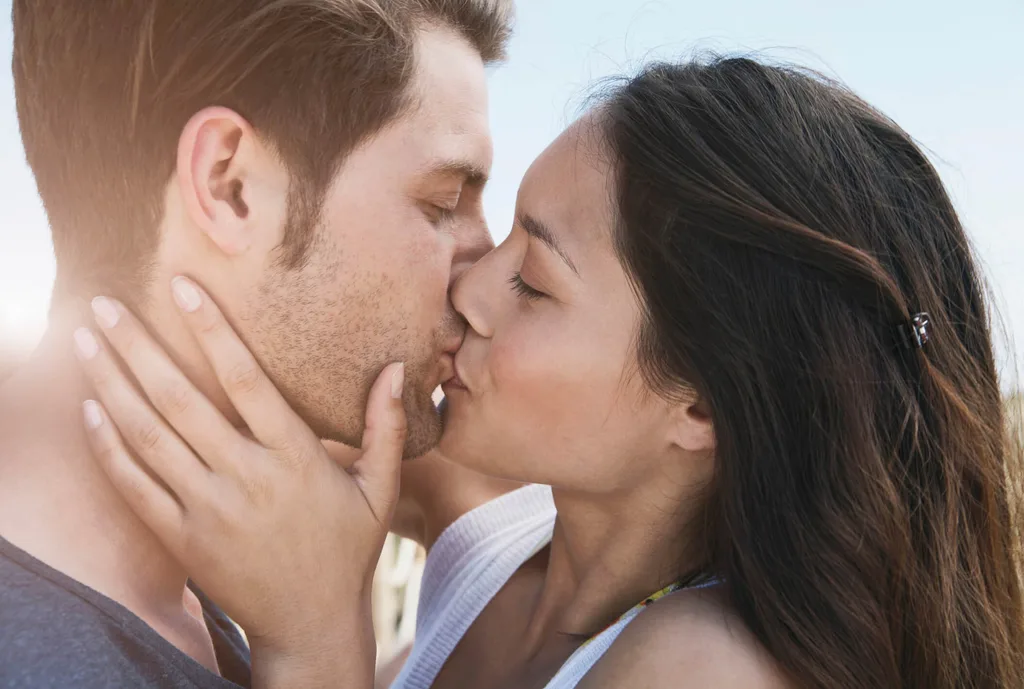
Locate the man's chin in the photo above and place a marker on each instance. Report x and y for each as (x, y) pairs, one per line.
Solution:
(424, 424)
(423, 435)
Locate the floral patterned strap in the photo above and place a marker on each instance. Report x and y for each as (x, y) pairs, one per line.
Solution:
(671, 588)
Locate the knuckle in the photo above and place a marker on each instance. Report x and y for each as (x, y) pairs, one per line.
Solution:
(133, 490)
(208, 323)
(126, 342)
(291, 452)
(147, 436)
(259, 489)
(219, 502)
(243, 378)
(240, 454)
(101, 374)
(225, 518)
(395, 428)
(395, 436)
(136, 494)
(107, 455)
(172, 399)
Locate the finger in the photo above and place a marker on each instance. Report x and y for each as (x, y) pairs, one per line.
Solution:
(343, 455)
(143, 429)
(145, 495)
(187, 410)
(378, 470)
(269, 417)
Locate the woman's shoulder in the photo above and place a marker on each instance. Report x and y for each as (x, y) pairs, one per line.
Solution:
(687, 640)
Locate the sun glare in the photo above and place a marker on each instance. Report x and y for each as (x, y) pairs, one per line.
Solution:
(21, 324)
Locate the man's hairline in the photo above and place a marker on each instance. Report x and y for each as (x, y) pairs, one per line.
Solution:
(411, 101)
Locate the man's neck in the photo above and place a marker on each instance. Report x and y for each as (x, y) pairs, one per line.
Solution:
(56, 503)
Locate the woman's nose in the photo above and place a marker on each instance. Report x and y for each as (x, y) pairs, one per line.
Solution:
(475, 294)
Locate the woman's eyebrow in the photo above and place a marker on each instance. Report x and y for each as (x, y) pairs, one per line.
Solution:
(539, 230)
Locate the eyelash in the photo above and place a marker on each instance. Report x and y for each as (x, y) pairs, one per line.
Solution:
(444, 215)
(520, 287)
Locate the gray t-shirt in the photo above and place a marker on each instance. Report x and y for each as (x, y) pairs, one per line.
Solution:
(56, 633)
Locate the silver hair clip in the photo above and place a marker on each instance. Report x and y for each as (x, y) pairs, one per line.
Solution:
(915, 333)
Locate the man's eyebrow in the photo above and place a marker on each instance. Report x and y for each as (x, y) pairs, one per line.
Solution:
(539, 230)
(469, 171)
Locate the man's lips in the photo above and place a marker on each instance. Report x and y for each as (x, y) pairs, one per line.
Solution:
(450, 375)
(448, 370)
(453, 381)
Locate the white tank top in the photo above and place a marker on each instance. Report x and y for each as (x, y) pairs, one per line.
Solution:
(470, 562)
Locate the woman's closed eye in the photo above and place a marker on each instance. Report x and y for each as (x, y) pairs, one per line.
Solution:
(524, 290)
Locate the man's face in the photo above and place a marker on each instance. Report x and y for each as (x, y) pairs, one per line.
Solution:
(400, 221)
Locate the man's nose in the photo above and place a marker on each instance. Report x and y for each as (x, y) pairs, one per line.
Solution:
(471, 245)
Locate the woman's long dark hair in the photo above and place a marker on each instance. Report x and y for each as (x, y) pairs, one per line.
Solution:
(779, 231)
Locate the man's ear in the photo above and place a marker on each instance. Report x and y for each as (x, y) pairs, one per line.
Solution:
(220, 162)
(692, 429)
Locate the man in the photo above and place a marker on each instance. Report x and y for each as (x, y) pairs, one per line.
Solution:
(318, 166)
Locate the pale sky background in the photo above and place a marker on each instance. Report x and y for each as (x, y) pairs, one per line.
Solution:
(950, 72)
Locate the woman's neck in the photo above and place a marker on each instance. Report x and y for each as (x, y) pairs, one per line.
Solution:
(609, 553)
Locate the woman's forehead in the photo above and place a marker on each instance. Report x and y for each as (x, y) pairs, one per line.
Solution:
(569, 186)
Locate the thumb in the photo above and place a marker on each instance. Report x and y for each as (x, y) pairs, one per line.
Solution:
(377, 471)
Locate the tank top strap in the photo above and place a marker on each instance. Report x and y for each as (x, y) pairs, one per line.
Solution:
(587, 655)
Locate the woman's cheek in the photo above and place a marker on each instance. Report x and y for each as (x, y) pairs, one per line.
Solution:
(536, 374)
(513, 363)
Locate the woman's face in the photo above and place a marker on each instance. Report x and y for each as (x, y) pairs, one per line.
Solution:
(547, 388)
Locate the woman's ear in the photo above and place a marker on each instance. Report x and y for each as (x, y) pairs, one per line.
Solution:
(692, 429)
(218, 159)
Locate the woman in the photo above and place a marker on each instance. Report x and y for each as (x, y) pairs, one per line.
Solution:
(739, 330)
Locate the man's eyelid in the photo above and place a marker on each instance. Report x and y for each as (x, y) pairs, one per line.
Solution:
(448, 201)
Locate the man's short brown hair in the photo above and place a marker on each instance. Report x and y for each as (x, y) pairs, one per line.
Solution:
(105, 87)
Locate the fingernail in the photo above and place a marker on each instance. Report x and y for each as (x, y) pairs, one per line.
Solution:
(398, 382)
(186, 294)
(86, 345)
(93, 416)
(106, 311)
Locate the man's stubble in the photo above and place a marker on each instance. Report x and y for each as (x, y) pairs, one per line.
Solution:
(325, 329)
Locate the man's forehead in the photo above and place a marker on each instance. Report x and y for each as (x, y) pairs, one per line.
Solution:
(428, 150)
(438, 150)
(449, 106)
